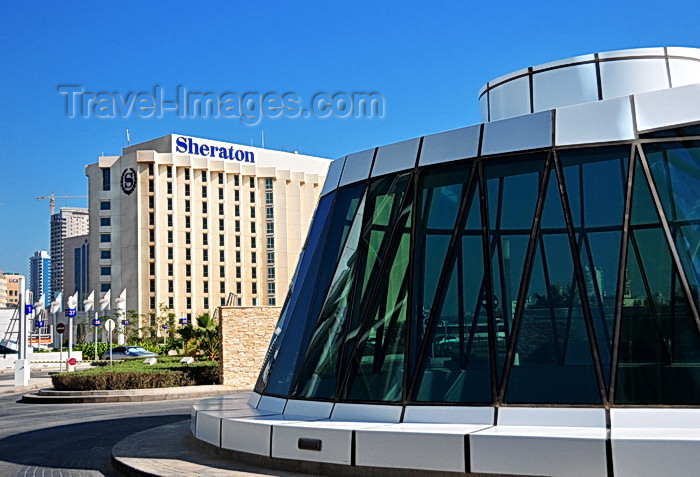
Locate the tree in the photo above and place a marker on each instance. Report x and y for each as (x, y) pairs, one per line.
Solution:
(202, 339)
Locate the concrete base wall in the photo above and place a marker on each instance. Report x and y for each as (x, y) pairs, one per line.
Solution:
(245, 333)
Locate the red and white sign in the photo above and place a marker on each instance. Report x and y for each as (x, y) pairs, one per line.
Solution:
(60, 328)
(72, 361)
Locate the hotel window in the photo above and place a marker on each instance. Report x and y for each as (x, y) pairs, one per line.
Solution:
(204, 191)
(105, 270)
(169, 172)
(270, 242)
(221, 194)
(153, 302)
(170, 203)
(270, 273)
(170, 236)
(105, 221)
(187, 174)
(187, 190)
(253, 257)
(151, 218)
(271, 258)
(271, 301)
(269, 213)
(205, 270)
(254, 288)
(236, 180)
(105, 254)
(252, 197)
(252, 182)
(188, 270)
(204, 223)
(238, 272)
(171, 303)
(105, 238)
(237, 226)
(221, 178)
(270, 288)
(205, 288)
(221, 255)
(151, 186)
(187, 222)
(204, 176)
(222, 287)
(187, 238)
(252, 242)
(221, 209)
(188, 286)
(205, 239)
(151, 202)
(152, 252)
(252, 227)
(170, 220)
(268, 183)
(150, 169)
(238, 287)
(152, 286)
(252, 212)
(170, 286)
(106, 178)
(170, 269)
(105, 287)
(206, 303)
(105, 205)
(221, 240)
(222, 271)
(151, 235)
(270, 228)
(188, 254)
(238, 256)
(170, 253)
(254, 273)
(221, 225)
(169, 187)
(152, 268)
(237, 210)
(205, 255)
(204, 207)
(188, 302)
(187, 206)
(268, 198)
(236, 196)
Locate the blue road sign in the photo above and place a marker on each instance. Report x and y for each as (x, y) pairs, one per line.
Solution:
(28, 309)
(183, 321)
(70, 313)
(125, 322)
(39, 324)
(96, 321)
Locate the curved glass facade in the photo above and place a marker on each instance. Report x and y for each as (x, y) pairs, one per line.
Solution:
(556, 276)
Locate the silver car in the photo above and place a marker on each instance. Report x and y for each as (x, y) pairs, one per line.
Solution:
(127, 352)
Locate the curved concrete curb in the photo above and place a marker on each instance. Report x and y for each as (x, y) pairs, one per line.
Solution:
(49, 396)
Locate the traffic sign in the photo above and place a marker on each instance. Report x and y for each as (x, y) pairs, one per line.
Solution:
(109, 324)
(60, 328)
(28, 309)
(72, 361)
(39, 324)
(96, 321)
(70, 312)
(125, 322)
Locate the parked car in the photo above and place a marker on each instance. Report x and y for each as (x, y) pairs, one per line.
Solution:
(127, 352)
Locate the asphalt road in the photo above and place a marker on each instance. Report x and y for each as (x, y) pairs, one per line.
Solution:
(74, 439)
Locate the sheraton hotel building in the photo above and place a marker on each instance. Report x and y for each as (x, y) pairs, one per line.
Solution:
(517, 297)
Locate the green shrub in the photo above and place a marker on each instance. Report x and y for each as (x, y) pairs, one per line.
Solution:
(105, 379)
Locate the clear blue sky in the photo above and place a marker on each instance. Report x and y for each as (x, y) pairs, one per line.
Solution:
(427, 59)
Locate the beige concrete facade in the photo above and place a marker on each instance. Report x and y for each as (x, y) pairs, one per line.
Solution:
(245, 336)
(192, 223)
(9, 282)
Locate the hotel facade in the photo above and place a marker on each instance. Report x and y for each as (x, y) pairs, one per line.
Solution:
(193, 224)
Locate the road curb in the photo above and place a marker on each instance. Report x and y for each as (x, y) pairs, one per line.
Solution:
(49, 396)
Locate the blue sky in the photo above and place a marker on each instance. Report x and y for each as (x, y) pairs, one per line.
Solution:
(427, 59)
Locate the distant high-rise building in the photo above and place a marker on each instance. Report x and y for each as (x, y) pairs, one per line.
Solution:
(40, 275)
(68, 222)
(10, 281)
(75, 270)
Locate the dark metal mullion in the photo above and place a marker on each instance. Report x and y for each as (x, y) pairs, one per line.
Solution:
(525, 280)
(669, 238)
(596, 287)
(445, 273)
(570, 309)
(650, 301)
(460, 303)
(504, 281)
(548, 291)
(478, 305)
(576, 257)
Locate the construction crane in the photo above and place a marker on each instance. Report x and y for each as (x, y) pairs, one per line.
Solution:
(52, 199)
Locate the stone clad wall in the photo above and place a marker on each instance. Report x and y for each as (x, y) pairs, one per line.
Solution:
(245, 335)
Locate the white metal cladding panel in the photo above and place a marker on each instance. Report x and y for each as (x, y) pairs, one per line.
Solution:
(510, 99)
(449, 414)
(246, 435)
(684, 72)
(602, 121)
(270, 403)
(518, 134)
(625, 77)
(366, 412)
(655, 418)
(396, 157)
(357, 167)
(312, 409)
(667, 108)
(565, 86)
(565, 417)
(449, 146)
(658, 455)
(333, 177)
(208, 427)
(656, 51)
(483, 108)
(563, 62)
(254, 399)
